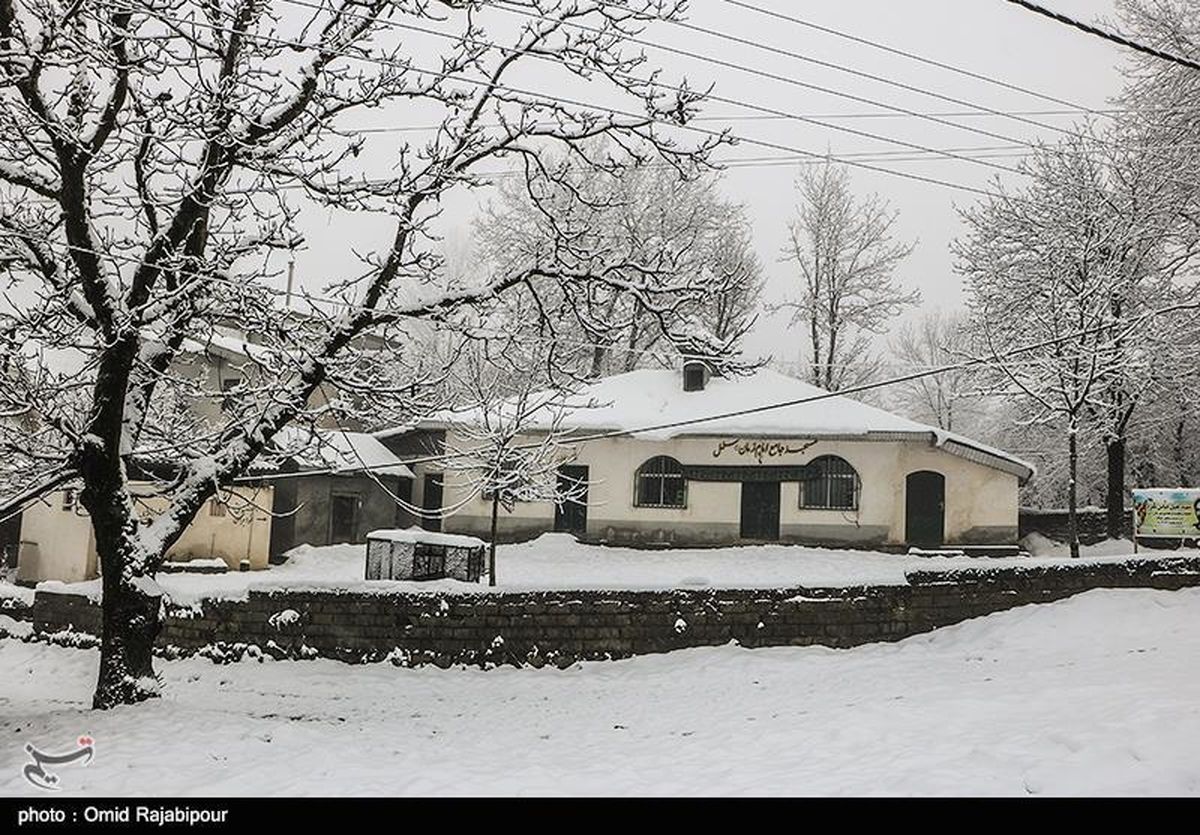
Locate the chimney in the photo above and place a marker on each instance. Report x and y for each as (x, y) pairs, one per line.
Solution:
(695, 374)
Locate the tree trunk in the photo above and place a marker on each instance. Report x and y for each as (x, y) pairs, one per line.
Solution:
(129, 628)
(1072, 489)
(1114, 450)
(131, 599)
(492, 544)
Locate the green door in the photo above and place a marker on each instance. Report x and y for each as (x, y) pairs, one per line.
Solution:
(925, 509)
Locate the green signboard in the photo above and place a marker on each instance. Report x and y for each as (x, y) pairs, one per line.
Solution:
(1168, 513)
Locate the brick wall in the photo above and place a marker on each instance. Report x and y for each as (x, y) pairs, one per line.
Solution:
(560, 627)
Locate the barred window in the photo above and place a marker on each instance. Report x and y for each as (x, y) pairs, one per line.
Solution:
(831, 483)
(660, 483)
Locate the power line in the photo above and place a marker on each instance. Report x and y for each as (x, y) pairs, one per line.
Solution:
(710, 96)
(503, 6)
(733, 163)
(1114, 37)
(546, 98)
(794, 81)
(732, 117)
(912, 56)
(832, 65)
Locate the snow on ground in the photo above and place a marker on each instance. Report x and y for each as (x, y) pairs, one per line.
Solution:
(15, 628)
(15, 596)
(1042, 546)
(19, 594)
(1098, 695)
(558, 561)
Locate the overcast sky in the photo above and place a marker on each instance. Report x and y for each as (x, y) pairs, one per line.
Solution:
(991, 38)
(988, 37)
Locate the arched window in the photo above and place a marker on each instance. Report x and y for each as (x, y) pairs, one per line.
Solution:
(831, 483)
(660, 483)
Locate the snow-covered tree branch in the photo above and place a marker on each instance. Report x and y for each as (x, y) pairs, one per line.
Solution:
(156, 160)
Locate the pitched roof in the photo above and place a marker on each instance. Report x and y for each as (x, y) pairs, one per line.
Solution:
(335, 452)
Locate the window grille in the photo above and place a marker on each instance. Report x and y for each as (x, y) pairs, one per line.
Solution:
(660, 483)
(830, 484)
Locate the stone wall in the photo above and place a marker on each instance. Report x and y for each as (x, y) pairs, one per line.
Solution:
(562, 626)
(1093, 525)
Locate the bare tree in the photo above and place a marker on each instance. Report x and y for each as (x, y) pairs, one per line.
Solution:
(1158, 134)
(507, 442)
(950, 400)
(154, 157)
(1079, 259)
(651, 214)
(845, 259)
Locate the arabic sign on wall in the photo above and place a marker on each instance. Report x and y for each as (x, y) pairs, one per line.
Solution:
(760, 449)
(1170, 513)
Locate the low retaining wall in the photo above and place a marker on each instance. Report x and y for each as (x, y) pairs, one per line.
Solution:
(562, 626)
(1055, 524)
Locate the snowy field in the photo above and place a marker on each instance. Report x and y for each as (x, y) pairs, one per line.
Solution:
(1097, 695)
(557, 561)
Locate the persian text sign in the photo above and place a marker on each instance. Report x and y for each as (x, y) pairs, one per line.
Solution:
(1171, 513)
(761, 449)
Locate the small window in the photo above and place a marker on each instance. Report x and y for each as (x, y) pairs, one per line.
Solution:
(660, 483)
(831, 484)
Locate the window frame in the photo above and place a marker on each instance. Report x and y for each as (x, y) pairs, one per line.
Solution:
(828, 479)
(662, 477)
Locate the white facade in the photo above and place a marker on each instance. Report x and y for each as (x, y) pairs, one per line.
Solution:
(57, 541)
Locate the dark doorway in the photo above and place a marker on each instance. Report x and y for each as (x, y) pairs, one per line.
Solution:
(343, 518)
(760, 510)
(405, 518)
(570, 515)
(285, 506)
(925, 509)
(431, 502)
(10, 542)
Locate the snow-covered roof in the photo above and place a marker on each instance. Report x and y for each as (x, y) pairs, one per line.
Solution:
(227, 346)
(343, 453)
(651, 404)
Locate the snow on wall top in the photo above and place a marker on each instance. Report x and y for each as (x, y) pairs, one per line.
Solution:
(650, 404)
(415, 535)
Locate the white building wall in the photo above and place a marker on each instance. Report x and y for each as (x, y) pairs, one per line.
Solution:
(57, 542)
(980, 501)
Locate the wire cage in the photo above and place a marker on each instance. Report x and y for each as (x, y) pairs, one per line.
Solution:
(416, 554)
